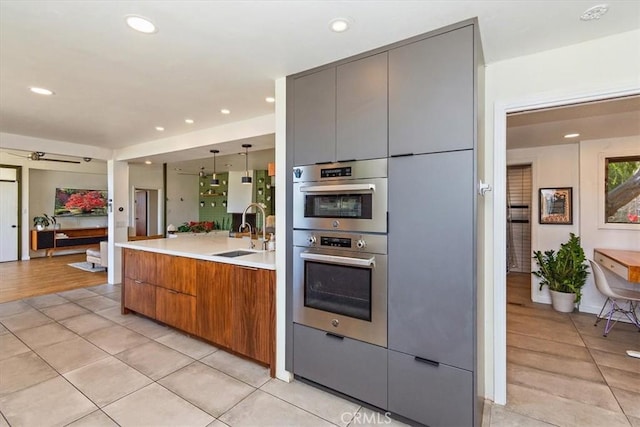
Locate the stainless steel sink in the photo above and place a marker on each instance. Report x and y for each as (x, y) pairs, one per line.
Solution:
(233, 254)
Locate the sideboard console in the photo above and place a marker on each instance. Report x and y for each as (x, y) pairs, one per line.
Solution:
(69, 238)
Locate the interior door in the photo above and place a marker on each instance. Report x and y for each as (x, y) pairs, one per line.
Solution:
(8, 221)
(141, 213)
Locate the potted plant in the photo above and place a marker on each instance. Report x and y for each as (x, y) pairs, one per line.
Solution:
(41, 222)
(564, 272)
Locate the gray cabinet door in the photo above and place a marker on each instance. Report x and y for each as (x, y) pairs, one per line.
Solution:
(361, 116)
(314, 118)
(349, 366)
(433, 395)
(431, 94)
(431, 256)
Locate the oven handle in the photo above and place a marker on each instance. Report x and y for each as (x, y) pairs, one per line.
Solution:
(337, 188)
(357, 262)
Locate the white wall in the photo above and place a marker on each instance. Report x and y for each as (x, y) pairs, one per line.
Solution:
(552, 166)
(610, 65)
(592, 233)
(182, 198)
(147, 177)
(42, 191)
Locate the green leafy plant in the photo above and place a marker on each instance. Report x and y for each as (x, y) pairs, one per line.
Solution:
(44, 220)
(563, 271)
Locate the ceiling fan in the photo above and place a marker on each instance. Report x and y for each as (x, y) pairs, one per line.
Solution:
(39, 155)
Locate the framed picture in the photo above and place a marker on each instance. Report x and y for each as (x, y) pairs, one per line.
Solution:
(556, 205)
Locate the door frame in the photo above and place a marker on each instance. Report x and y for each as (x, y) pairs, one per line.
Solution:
(19, 181)
(499, 215)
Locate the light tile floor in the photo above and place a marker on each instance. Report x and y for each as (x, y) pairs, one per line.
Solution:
(73, 359)
(561, 371)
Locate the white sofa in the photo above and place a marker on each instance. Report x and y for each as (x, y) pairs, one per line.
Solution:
(98, 257)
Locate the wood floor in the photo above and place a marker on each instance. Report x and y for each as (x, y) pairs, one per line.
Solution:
(39, 276)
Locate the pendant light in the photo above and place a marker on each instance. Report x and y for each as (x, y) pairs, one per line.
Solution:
(246, 179)
(214, 181)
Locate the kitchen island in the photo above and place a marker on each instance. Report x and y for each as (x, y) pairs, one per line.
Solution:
(186, 283)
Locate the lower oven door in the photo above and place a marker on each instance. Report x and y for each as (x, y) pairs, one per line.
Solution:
(341, 292)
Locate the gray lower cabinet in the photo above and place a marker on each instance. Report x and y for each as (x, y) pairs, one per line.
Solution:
(314, 118)
(431, 257)
(431, 94)
(349, 366)
(435, 395)
(361, 106)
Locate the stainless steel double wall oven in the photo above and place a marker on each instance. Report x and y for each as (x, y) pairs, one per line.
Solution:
(340, 249)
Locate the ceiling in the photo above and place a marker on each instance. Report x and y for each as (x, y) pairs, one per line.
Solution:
(612, 118)
(113, 86)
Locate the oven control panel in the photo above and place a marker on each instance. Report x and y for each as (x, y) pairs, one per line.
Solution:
(357, 242)
(336, 242)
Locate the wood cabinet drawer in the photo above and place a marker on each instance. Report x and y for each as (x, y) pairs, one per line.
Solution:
(176, 309)
(431, 394)
(349, 366)
(139, 296)
(140, 265)
(177, 273)
(612, 265)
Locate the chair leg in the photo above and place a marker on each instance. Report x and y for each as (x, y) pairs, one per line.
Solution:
(598, 317)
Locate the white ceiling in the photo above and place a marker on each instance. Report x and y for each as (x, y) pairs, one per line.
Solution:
(113, 85)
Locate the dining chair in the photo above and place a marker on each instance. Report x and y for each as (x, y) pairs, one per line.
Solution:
(616, 299)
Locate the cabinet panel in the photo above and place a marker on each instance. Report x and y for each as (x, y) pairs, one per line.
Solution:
(176, 309)
(431, 94)
(139, 297)
(42, 239)
(361, 109)
(314, 118)
(177, 273)
(141, 265)
(253, 313)
(213, 309)
(351, 367)
(431, 257)
(432, 395)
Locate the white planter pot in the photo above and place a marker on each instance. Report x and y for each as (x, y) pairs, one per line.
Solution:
(39, 227)
(563, 302)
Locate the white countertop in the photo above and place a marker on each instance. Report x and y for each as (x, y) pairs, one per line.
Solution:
(204, 246)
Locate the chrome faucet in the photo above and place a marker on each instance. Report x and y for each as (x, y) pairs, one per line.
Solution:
(245, 223)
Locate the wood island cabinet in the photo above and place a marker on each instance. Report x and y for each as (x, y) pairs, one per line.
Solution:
(228, 305)
(214, 301)
(253, 313)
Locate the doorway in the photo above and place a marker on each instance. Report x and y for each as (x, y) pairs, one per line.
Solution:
(146, 212)
(9, 213)
(519, 219)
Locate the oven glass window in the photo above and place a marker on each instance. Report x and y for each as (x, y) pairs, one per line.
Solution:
(338, 289)
(356, 206)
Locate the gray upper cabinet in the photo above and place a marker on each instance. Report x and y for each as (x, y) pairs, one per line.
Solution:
(431, 257)
(431, 94)
(314, 120)
(361, 120)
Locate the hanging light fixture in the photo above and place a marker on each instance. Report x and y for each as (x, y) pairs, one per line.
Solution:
(246, 179)
(214, 181)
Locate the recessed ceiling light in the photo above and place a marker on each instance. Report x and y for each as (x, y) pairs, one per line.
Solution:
(41, 91)
(572, 135)
(159, 128)
(225, 111)
(595, 12)
(147, 162)
(141, 24)
(340, 25)
(188, 121)
(270, 99)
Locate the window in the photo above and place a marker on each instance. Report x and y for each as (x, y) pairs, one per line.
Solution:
(622, 190)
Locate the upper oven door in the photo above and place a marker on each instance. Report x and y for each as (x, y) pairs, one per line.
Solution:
(346, 205)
